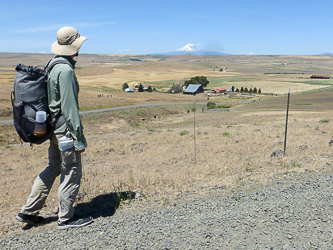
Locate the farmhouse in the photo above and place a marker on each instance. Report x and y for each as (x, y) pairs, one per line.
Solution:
(129, 90)
(193, 89)
(220, 90)
(319, 77)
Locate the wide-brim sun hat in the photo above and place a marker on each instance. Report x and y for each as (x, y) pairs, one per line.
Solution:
(68, 42)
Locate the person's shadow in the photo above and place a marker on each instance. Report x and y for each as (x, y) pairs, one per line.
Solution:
(104, 205)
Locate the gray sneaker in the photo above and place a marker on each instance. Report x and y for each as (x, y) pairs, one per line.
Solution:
(75, 222)
(33, 220)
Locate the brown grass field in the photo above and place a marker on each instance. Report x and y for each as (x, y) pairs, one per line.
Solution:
(155, 151)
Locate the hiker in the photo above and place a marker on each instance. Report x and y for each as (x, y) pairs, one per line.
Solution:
(63, 89)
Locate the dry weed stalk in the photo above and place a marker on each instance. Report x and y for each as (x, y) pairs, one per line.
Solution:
(233, 151)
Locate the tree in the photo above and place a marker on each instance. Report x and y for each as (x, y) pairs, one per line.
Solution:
(237, 90)
(233, 88)
(255, 90)
(140, 89)
(149, 89)
(245, 90)
(202, 80)
(175, 89)
(211, 105)
(242, 90)
(259, 91)
(125, 86)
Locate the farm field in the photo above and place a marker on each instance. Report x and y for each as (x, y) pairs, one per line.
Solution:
(155, 150)
(104, 75)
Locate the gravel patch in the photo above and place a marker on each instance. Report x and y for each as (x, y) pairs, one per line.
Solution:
(289, 214)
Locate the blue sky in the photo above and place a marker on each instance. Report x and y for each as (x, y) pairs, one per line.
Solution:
(294, 27)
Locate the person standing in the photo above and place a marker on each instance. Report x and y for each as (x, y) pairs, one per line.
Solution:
(63, 90)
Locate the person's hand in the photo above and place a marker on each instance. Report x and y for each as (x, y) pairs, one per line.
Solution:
(80, 151)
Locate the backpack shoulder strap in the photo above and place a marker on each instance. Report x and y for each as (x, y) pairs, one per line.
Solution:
(48, 67)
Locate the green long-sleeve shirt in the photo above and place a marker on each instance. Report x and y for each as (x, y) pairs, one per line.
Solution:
(63, 90)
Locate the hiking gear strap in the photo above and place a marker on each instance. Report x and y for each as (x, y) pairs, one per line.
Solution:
(60, 120)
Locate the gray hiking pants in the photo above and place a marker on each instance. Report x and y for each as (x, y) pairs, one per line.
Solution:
(65, 163)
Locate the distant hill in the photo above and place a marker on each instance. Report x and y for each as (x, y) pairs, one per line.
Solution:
(325, 54)
(191, 49)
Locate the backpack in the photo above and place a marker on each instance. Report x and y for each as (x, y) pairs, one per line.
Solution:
(30, 96)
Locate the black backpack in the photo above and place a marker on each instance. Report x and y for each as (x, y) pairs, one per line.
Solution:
(30, 96)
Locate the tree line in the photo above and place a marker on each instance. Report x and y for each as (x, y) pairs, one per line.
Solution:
(246, 90)
(139, 87)
(202, 80)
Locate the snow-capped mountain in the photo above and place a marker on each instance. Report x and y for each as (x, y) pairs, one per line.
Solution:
(191, 49)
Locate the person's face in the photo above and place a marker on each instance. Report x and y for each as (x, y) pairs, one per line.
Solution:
(77, 54)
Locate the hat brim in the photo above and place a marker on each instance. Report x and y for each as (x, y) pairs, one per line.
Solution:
(68, 50)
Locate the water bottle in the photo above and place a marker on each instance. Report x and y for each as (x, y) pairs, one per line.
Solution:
(65, 143)
(40, 127)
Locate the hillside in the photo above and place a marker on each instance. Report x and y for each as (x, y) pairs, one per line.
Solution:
(158, 151)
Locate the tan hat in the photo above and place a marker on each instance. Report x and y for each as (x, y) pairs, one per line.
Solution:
(68, 42)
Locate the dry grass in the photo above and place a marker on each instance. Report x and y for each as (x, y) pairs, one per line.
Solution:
(105, 74)
(132, 150)
(233, 150)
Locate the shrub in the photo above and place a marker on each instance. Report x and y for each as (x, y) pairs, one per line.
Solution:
(226, 134)
(324, 121)
(223, 106)
(184, 132)
(211, 105)
(135, 59)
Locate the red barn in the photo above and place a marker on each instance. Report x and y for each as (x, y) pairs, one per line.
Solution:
(319, 77)
(220, 90)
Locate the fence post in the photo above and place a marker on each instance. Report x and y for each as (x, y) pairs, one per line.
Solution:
(195, 144)
(285, 133)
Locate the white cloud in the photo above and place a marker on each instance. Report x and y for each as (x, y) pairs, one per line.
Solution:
(58, 26)
(251, 53)
(37, 29)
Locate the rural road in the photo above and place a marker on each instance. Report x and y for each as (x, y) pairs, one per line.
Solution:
(136, 106)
